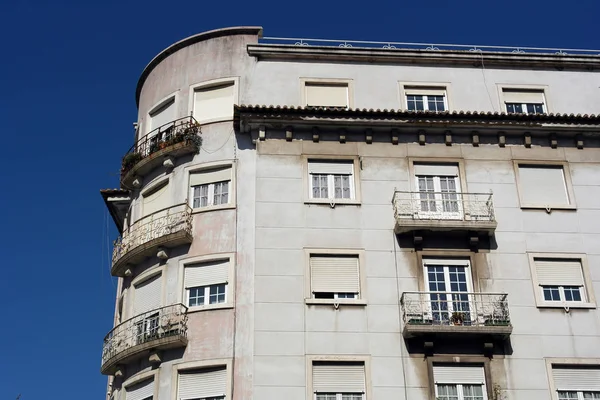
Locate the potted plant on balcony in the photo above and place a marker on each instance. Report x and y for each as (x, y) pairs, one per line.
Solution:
(129, 161)
(457, 318)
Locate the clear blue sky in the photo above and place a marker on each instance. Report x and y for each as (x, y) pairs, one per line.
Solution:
(68, 71)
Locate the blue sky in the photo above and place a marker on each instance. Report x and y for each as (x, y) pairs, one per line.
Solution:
(68, 71)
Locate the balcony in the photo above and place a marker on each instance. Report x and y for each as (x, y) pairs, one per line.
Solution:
(436, 211)
(166, 228)
(452, 313)
(159, 329)
(173, 139)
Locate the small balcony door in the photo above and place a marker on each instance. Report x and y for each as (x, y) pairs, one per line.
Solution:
(449, 284)
(438, 189)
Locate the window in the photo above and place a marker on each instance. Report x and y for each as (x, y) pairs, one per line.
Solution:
(211, 187)
(544, 186)
(206, 283)
(338, 380)
(327, 94)
(453, 382)
(156, 199)
(334, 276)
(146, 298)
(425, 98)
(580, 382)
(438, 188)
(524, 101)
(160, 116)
(140, 391)
(560, 281)
(214, 103)
(202, 384)
(331, 180)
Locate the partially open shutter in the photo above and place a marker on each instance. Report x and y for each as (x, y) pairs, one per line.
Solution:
(206, 273)
(556, 272)
(424, 91)
(156, 200)
(162, 116)
(583, 379)
(523, 96)
(331, 167)
(334, 274)
(202, 384)
(460, 374)
(326, 95)
(210, 176)
(140, 391)
(339, 378)
(215, 102)
(436, 169)
(147, 295)
(543, 185)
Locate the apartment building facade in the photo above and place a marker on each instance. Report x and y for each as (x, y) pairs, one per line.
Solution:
(323, 221)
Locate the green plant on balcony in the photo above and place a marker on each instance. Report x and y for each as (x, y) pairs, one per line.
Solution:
(129, 161)
(457, 318)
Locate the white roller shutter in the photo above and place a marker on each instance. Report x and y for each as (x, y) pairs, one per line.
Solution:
(559, 272)
(156, 200)
(207, 273)
(331, 167)
(523, 96)
(162, 116)
(543, 185)
(200, 385)
(210, 176)
(326, 95)
(436, 169)
(147, 295)
(460, 374)
(338, 378)
(140, 391)
(215, 102)
(334, 274)
(583, 379)
(424, 91)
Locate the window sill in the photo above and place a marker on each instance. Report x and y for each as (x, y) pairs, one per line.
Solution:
(331, 302)
(213, 208)
(569, 305)
(548, 207)
(336, 202)
(211, 307)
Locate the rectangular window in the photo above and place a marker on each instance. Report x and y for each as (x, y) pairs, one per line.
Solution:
(214, 103)
(326, 94)
(425, 98)
(210, 187)
(202, 384)
(338, 380)
(206, 283)
(459, 382)
(156, 200)
(527, 101)
(544, 186)
(331, 180)
(438, 188)
(578, 382)
(560, 281)
(334, 276)
(140, 391)
(449, 283)
(161, 117)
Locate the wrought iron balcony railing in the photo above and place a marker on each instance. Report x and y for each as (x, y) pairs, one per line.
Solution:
(164, 327)
(455, 309)
(173, 224)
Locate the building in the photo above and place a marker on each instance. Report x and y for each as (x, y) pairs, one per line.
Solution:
(345, 221)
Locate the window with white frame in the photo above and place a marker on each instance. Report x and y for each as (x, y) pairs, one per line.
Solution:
(560, 281)
(140, 391)
(326, 94)
(147, 297)
(426, 98)
(524, 101)
(206, 283)
(334, 276)
(438, 188)
(161, 116)
(543, 185)
(459, 382)
(577, 382)
(210, 187)
(214, 103)
(338, 380)
(202, 384)
(331, 179)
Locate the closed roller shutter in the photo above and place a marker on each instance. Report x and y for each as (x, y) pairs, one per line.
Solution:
(326, 95)
(334, 274)
(460, 374)
(331, 167)
(162, 116)
(147, 295)
(210, 176)
(215, 102)
(338, 378)
(208, 273)
(156, 200)
(140, 391)
(424, 91)
(202, 384)
(542, 185)
(583, 379)
(558, 272)
(436, 170)
(523, 96)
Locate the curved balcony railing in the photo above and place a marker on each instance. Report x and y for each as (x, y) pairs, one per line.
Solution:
(442, 209)
(173, 138)
(168, 227)
(161, 328)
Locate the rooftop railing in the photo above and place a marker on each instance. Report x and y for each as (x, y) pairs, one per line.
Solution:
(443, 206)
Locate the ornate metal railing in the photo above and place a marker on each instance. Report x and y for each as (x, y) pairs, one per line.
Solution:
(455, 308)
(426, 46)
(163, 222)
(184, 129)
(152, 325)
(443, 206)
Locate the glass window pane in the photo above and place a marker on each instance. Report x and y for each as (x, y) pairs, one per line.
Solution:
(196, 297)
(514, 108)
(551, 293)
(591, 395)
(572, 293)
(319, 184)
(447, 392)
(563, 395)
(217, 294)
(473, 392)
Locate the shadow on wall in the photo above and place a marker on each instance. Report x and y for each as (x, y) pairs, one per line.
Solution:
(459, 345)
(445, 240)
